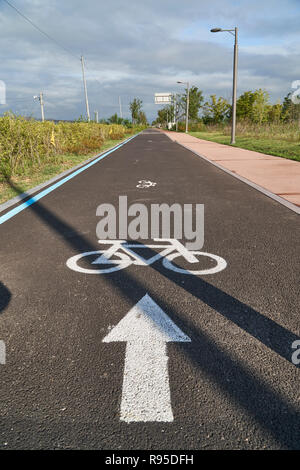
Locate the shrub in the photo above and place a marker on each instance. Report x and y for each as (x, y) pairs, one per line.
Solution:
(27, 144)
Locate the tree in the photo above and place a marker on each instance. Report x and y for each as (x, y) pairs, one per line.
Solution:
(114, 119)
(164, 115)
(290, 111)
(244, 105)
(195, 102)
(127, 123)
(135, 108)
(142, 119)
(260, 106)
(216, 110)
(274, 112)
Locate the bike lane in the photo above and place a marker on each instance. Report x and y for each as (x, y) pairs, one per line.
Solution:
(225, 377)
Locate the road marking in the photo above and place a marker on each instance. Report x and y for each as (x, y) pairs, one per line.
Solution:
(44, 193)
(126, 255)
(2, 353)
(146, 391)
(146, 184)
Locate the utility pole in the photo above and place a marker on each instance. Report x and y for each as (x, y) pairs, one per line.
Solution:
(187, 108)
(187, 105)
(85, 90)
(235, 65)
(42, 106)
(120, 104)
(175, 110)
(40, 97)
(96, 117)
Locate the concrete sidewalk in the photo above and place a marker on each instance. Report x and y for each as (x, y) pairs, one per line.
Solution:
(277, 175)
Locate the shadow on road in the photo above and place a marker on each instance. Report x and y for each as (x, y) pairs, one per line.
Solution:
(5, 296)
(268, 408)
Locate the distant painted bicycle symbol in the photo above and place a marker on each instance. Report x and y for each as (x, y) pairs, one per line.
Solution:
(146, 184)
(127, 256)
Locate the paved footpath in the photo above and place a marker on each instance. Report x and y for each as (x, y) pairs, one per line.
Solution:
(147, 357)
(277, 175)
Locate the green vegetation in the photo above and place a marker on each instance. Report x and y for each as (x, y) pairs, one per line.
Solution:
(166, 114)
(216, 110)
(280, 139)
(268, 128)
(46, 172)
(137, 114)
(252, 106)
(32, 152)
(195, 102)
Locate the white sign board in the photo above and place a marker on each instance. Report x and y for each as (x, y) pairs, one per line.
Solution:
(163, 98)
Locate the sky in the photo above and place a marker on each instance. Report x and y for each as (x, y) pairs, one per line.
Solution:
(141, 47)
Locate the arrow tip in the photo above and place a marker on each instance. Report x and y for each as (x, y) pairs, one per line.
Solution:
(146, 322)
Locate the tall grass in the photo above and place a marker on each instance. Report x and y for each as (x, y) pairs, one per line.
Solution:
(286, 131)
(27, 144)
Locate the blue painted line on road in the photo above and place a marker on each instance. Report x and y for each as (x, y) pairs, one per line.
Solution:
(44, 193)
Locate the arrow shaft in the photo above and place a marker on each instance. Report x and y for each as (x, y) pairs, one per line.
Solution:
(146, 389)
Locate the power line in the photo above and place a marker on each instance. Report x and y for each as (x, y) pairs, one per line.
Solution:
(40, 30)
(50, 38)
(45, 34)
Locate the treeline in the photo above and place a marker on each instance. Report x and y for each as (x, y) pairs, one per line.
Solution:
(252, 106)
(138, 116)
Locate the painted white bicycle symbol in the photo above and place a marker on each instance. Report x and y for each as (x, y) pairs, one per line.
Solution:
(126, 255)
(146, 184)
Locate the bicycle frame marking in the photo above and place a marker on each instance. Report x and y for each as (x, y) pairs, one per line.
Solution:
(127, 256)
(140, 260)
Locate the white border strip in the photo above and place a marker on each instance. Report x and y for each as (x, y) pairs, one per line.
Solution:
(265, 191)
(70, 174)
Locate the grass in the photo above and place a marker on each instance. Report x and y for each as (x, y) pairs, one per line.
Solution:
(278, 139)
(281, 139)
(46, 171)
(269, 146)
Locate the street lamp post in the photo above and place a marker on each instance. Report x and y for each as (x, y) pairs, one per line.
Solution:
(175, 111)
(187, 105)
(234, 32)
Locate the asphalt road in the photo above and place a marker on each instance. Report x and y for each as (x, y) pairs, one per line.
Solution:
(233, 386)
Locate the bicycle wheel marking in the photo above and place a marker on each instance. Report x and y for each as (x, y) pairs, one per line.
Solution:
(123, 263)
(221, 264)
(126, 255)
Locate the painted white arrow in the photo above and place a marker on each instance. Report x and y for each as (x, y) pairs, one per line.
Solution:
(2, 352)
(146, 391)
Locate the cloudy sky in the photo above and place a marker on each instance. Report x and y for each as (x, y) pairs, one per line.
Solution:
(139, 47)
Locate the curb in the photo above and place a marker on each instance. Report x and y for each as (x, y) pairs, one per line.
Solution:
(262, 190)
(21, 197)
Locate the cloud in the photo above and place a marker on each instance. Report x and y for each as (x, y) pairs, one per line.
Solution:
(138, 48)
